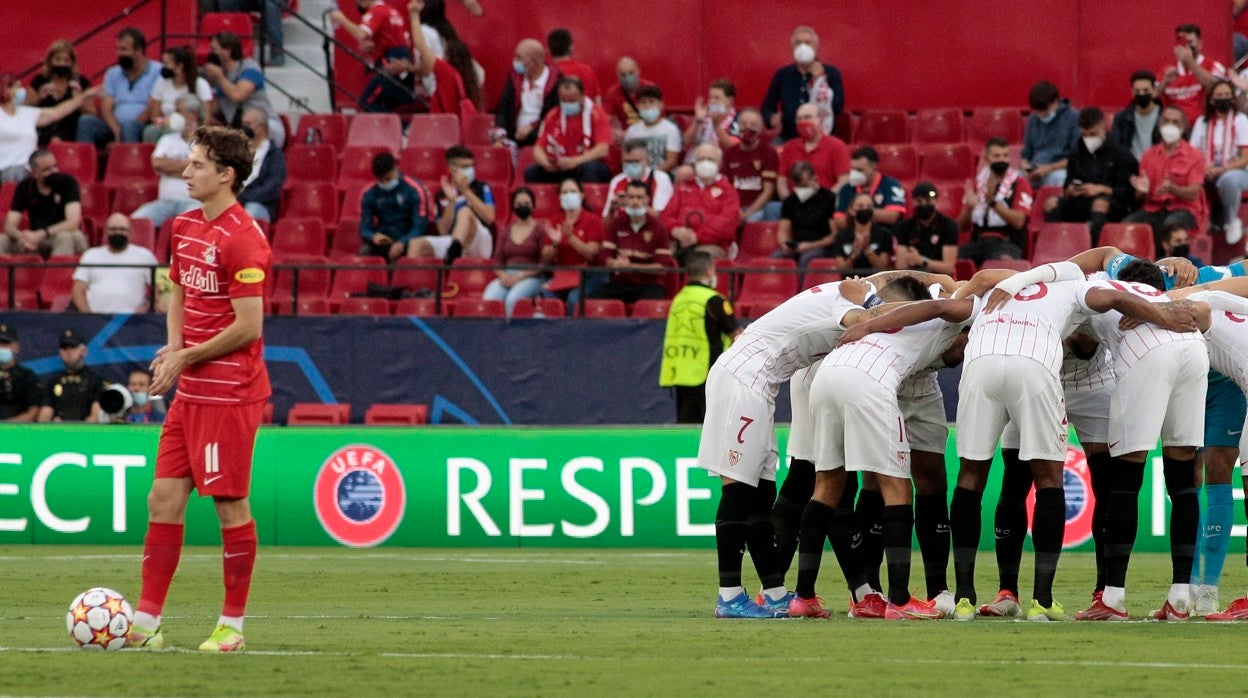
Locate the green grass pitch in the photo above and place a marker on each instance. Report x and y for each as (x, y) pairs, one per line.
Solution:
(580, 622)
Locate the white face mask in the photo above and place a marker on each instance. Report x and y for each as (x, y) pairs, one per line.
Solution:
(804, 193)
(706, 169)
(803, 53)
(177, 122)
(1093, 143)
(857, 178)
(1170, 133)
(570, 200)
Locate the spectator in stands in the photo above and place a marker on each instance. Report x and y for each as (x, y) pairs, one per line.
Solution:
(827, 154)
(57, 82)
(19, 125)
(1171, 179)
(1175, 241)
(620, 101)
(574, 140)
(20, 390)
(529, 93)
(434, 25)
(806, 230)
(238, 83)
(52, 204)
(114, 289)
(559, 42)
(636, 165)
(178, 70)
(522, 245)
(272, 21)
(714, 119)
(434, 82)
(1183, 82)
(169, 160)
(394, 212)
(72, 395)
(928, 240)
(1050, 136)
(1098, 178)
(574, 239)
(995, 207)
(864, 244)
(1135, 127)
(383, 35)
(459, 57)
(127, 86)
(705, 211)
(146, 408)
(865, 178)
(1221, 136)
(805, 81)
(635, 239)
(751, 165)
(466, 217)
(262, 190)
(661, 136)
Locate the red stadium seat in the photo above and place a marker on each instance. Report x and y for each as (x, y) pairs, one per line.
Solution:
(349, 281)
(216, 22)
(899, 161)
(985, 123)
(1015, 264)
(312, 200)
(545, 200)
(1201, 246)
(950, 200)
(313, 283)
(407, 275)
(417, 307)
(295, 235)
(314, 413)
(964, 269)
(474, 307)
(317, 305)
(310, 162)
(164, 241)
(132, 194)
(773, 283)
(441, 130)
(939, 126)
(758, 240)
(468, 283)
(595, 197)
(947, 162)
(821, 271)
(357, 165)
(651, 309)
(884, 126)
(95, 206)
(364, 306)
(377, 130)
(1136, 239)
(352, 200)
(397, 415)
(346, 238)
(329, 129)
(143, 233)
(603, 308)
(523, 160)
(725, 276)
(539, 307)
(1036, 218)
(493, 164)
(476, 128)
(1056, 242)
(57, 280)
(128, 162)
(425, 162)
(78, 159)
(26, 279)
(8, 188)
(753, 310)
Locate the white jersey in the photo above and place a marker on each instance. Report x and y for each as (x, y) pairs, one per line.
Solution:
(891, 356)
(1088, 375)
(1031, 324)
(1129, 346)
(799, 332)
(1228, 345)
(922, 383)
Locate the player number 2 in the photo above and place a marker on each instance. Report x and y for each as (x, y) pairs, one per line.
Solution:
(741, 432)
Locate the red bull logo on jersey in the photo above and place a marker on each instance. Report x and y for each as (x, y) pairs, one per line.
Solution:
(1077, 482)
(198, 279)
(359, 496)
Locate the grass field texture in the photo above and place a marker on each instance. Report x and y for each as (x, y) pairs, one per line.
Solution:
(580, 622)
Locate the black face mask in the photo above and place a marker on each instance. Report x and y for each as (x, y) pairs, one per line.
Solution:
(1180, 250)
(118, 241)
(523, 212)
(1142, 101)
(126, 63)
(166, 73)
(62, 71)
(213, 59)
(864, 216)
(999, 168)
(251, 135)
(924, 210)
(1222, 106)
(361, 8)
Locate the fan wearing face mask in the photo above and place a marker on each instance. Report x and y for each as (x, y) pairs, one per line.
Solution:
(574, 140)
(20, 391)
(58, 81)
(127, 86)
(705, 211)
(661, 136)
(1221, 136)
(865, 178)
(1098, 178)
(1171, 179)
(995, 207)
(1050, 136)
(806, 230)
(864, 244)
(806, 80)
(752, 165)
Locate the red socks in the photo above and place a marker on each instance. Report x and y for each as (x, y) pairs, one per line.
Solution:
(238, 559)
(161, 550)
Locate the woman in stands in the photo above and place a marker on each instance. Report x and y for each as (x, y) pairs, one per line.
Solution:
(19, 124)
(58, 81)
(574, 239)
(1221, 135)
(522, 244)
(175, 80)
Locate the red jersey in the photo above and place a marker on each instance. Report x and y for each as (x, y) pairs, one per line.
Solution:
(214, 262)
(587, 228)
(444, 88)
(1186, 166)
(830, 158)
(388, 28)
(622, 106)
(713, 211)
(749, 170)
(1186, 92)
(643, 246)
(577, 69)
(563, 136)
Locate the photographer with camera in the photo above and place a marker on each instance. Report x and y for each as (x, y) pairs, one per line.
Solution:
(132, 403)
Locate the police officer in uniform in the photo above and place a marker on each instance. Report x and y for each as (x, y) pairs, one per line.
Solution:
(700, 326)
(73, 394)
(20, 392)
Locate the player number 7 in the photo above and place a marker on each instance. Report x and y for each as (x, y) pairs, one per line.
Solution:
(741, 432)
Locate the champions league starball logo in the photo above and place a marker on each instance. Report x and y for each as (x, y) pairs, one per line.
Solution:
(1077, 482)
(359, 496)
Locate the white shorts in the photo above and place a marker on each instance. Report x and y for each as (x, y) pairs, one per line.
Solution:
(858, 425)
(738, 440)
(1162, 395)
(927, 429)
(1088, 413)
(802, 429)
(996, 390)
(481, 247)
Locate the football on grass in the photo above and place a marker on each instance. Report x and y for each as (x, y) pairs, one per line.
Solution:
(99, 619)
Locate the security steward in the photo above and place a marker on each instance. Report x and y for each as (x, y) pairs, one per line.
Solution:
(700, 326)
(73, 394)
(20, 391)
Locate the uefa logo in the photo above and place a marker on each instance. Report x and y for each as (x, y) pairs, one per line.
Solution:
(359, 496)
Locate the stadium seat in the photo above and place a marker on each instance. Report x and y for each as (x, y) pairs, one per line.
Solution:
(397, 415)
(758, 240)
(377, 130)
(946, 162)
(539, 307)
(502, 201)
(425, 162)
(314, 413)
(216, 22)
(468, 283)
(57, 280)
(318, 305)
(899, 160)
(294, 235)
(132, 194)
(6, 194)
(595, 197)
(313, 283)
(350, 281)
(651, 309)
(78, 159)
(950, 200)
(493, 164)
(883, 126)
(725, 277)
(1201, 245)
(753, 310)
(523, 159)
(406, 274)
(357, 165)
(310, 162)
(143, 233)
(939, 126)
(1057, 242)
(545, 200)
(95, 206)
(329, 129)
(772, 282)
(346, 240)
(417, 307)
(985, 123)
(1136, 239)
(1014, 264)
(352, 200)
(311, 200)
(821, 271)
(964, 269)
(364, 306)
(26, 279)
(1036, 219)
(476, 129)
(129, 162)
(603, 308)
(440, 130)
(474, 307)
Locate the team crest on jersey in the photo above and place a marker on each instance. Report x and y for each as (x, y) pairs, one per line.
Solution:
(734, 457)
(1077, 482)
(359, 496)
(210, 254)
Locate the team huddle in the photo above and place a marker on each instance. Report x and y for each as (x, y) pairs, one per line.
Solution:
(1124, 350)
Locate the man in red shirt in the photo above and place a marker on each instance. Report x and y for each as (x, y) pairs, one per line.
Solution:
(751, 166)
(1170, 185)
(384, 34)
(1183, 84)
(574, 140)
(620, 100)
(634, 239)
(559, 42)
(828, 154)
(705, 211)
(215, 354)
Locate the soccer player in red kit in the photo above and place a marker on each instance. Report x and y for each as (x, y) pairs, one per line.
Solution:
(220, 261)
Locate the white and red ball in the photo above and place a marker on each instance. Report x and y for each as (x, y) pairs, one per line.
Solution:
(99, 619)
